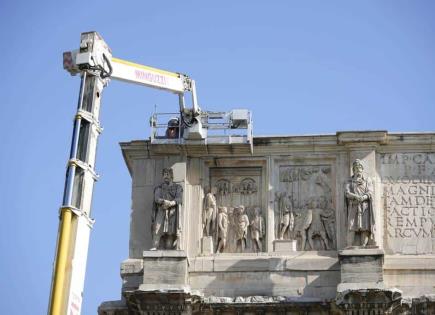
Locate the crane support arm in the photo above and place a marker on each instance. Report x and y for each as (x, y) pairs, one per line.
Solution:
(95, 56)
(152, 77)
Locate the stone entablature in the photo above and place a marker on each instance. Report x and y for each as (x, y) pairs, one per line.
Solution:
(271, 223)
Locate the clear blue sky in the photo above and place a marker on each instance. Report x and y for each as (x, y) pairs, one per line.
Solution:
(302, 67)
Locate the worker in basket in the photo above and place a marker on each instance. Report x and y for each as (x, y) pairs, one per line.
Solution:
(173, 130)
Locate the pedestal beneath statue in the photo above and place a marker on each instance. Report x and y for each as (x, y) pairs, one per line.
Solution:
(361, 267)
(284, 245)
(165, 287)
(362, 287)
(164, 270)
(207, 245)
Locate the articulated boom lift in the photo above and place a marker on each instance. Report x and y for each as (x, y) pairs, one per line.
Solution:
(96, 66)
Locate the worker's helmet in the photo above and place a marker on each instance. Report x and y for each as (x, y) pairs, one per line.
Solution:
(172, 132)
(173, 122)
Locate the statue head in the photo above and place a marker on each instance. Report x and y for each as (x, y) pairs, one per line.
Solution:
(240, 210)
(257, 211)
(312, 203)
(168, 175)
(223, 210)
(357, 168)
(323, 202)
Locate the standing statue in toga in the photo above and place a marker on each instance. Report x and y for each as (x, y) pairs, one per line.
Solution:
(359, 206)
(209, 213)
(168, 197)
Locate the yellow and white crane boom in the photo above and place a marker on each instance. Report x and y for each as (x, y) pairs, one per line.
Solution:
(96, 66)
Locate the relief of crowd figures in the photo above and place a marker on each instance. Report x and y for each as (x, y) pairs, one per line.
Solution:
(232, 217)
(304, 209)
(225, 187)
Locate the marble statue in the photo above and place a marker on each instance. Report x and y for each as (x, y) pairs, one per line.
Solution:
(241, 221)
(168, 197)
(359, 206)
(223, 187)
(209, 213)
(314, 224)
(222, 222)
(257, 230)
(328, 218)
(287, 219)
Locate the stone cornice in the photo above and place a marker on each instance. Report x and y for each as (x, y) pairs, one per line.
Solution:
(342, 141)
(368, 137)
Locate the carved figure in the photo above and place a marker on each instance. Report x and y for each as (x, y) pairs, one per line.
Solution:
(236, 188)
(248, 186)
(168, 197)
(223, 187)
(241, 226)
(287, 219)
(209, 213)
(257, 230)
(249, 189)
(322, 180)
(314, 225)
(359, 206)
(301, 227)
(328, 218)
(222, 222)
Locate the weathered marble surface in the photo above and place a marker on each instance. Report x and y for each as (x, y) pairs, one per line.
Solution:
(306, 192)
(269, 305)
(164, 269)
(312, 172)
(408, 181)
(207, 245)
(285, 245)
(361, 266)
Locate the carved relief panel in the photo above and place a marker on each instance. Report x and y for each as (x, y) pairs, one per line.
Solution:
(240, 224)
(305, 207)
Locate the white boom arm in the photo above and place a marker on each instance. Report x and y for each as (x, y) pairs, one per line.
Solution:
(151, 77)
(100, 57)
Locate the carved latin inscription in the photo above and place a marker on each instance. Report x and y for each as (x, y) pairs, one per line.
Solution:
(409, 200)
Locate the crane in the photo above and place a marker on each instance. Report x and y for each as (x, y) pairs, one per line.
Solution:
(94, 62)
